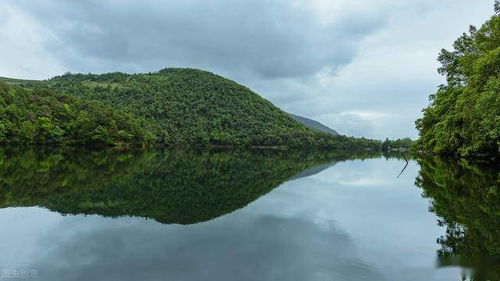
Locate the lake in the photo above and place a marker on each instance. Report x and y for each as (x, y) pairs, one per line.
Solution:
(245, 215)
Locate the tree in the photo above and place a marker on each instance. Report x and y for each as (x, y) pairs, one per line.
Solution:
(463, 117)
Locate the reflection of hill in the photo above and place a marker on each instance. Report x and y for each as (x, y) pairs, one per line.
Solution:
(467, 200)
(313, 170)
(167, 186)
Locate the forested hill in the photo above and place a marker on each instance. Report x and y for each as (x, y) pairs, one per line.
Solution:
(463, 118)
(192, 107)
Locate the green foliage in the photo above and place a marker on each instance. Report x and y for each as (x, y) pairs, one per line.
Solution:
(40, 116)
(181, 107)
(398, 144)
(188, 107)
(463, 118)
(168, 186)
(465, 197)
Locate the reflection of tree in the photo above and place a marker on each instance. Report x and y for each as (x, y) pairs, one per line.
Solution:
(466, 198)
(168, 186)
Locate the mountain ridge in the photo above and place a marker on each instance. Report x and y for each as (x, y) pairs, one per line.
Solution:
(311, 123)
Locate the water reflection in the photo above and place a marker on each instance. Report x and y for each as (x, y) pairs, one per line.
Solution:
(467, 200)
(167, 186)
(255, 248)
(331, 219)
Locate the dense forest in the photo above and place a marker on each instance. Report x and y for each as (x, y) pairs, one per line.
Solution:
(40, 116)
(194, 107)
(187, 107)
(463, 118)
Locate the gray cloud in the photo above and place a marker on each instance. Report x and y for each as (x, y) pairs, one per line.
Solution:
(270, 39)
(322, 59)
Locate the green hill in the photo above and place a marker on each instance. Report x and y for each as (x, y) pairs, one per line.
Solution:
(193, 107)
(189, 107)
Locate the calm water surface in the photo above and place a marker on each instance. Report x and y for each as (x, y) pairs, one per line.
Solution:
(251, 215)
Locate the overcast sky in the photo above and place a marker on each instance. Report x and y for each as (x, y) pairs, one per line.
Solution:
(362, 67)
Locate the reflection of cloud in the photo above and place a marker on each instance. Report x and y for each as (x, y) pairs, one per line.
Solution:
(363, 173)
(238, 248)
(308, 229)
(366, 181)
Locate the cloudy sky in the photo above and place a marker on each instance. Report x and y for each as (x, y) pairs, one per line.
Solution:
(362, 67)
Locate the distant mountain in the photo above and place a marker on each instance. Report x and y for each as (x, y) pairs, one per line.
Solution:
(313, 124)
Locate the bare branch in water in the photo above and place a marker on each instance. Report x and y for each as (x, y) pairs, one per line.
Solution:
(406, 165)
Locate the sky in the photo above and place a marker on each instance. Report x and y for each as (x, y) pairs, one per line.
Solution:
(361, 67)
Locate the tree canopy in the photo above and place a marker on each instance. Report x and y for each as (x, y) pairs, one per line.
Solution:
(463, 117)
(189, 107)
(40, 116)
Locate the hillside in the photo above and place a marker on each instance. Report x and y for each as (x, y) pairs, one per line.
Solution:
(41, 116)
(303, 120)
(313, 124)
(190, 107)
(173, 107)
(463, 118)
